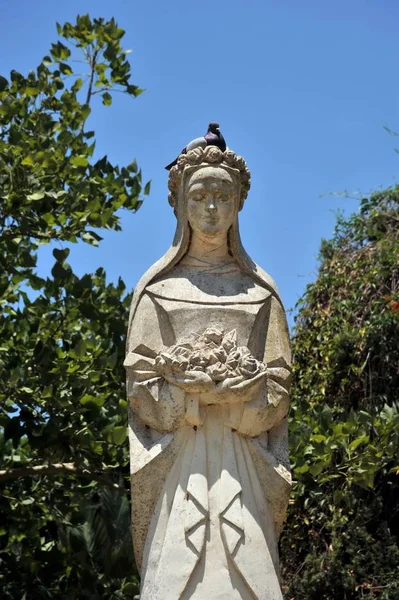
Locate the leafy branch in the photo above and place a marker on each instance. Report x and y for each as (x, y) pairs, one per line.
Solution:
(59, 469)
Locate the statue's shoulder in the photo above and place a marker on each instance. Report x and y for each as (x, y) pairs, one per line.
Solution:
(267, 280)
(227, 285)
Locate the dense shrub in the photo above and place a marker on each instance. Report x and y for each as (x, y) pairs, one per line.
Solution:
(341, 538)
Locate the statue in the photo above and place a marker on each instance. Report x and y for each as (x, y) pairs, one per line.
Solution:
(208, 373)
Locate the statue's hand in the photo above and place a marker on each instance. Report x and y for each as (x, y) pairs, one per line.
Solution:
(239, 389)
(194, 382)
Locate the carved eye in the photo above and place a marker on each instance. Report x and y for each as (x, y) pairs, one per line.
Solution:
(224, 197)
(197, 198)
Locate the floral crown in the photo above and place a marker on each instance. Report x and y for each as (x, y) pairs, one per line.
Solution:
(210, 155)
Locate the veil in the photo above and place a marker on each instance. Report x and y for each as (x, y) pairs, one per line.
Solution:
(181, 243)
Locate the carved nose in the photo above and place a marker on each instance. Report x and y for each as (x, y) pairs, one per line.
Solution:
(211, 206)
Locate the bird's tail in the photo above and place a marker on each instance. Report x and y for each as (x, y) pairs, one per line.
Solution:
(172, 164)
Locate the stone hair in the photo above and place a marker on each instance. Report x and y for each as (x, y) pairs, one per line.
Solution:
(211, 155)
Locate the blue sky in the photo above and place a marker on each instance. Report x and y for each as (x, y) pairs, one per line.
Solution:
(302, 90)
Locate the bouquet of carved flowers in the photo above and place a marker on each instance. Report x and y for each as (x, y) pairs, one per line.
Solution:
(214, 352)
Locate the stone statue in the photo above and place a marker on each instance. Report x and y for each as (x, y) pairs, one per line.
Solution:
(208, 373)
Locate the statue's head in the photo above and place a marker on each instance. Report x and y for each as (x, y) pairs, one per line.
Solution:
(200, 178)
(209, 187)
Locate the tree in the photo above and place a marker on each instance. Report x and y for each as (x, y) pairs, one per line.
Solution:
(341, 539)
(62, 406)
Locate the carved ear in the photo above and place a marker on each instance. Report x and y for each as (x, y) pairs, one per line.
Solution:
(173, 202)
(172, 199)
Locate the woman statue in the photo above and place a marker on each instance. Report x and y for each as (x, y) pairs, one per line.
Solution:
(208, 372)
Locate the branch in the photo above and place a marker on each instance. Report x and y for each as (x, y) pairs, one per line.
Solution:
(60, 469)
(93, 67)
(108, 89)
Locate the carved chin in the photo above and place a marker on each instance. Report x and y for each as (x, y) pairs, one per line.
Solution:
(211, 227)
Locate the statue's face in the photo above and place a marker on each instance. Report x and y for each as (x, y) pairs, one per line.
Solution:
(211, 201)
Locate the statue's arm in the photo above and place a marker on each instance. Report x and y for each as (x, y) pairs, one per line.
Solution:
(269, 409)
(159, 404)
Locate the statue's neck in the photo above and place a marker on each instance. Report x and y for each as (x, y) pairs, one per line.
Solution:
(210, 249)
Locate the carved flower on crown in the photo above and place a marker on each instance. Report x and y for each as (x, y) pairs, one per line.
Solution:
(194, 157)
(230, 157)
(213, 154)
(181, 161)
(240, 163)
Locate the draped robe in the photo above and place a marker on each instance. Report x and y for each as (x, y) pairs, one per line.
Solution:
(210, 482)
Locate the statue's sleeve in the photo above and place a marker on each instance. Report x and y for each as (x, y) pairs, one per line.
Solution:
(269, 409)
(158, 404)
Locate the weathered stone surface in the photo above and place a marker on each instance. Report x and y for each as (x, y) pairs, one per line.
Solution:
(208, 372)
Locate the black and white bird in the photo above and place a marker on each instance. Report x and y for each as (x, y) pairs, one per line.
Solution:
(213, 137)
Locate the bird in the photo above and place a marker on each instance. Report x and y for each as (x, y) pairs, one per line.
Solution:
(213, 137)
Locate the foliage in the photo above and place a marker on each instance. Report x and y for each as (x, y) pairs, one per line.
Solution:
(65, 541)
(62, 405)
(341, 538)
(65, 534)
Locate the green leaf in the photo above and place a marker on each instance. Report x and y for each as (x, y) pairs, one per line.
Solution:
(47, 392)
(91, 237)
(16, 77)
(77, 85)
(134, 90)
(132, 167)
(147, 188)
(28, 160)
(79, 350)
(65, 69)
(3, 83)
(356, 443)
(79, 161)
(27, 501)
(302, 469)
(96, 401)
(31, 90)
(61, 271)
(112, 359)
(61, 255)
(129, 589)
(316, 468)
(318, 438)
(48, 218)
(107, 99)
(118, 435)
(59, 51)
(36, 195)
